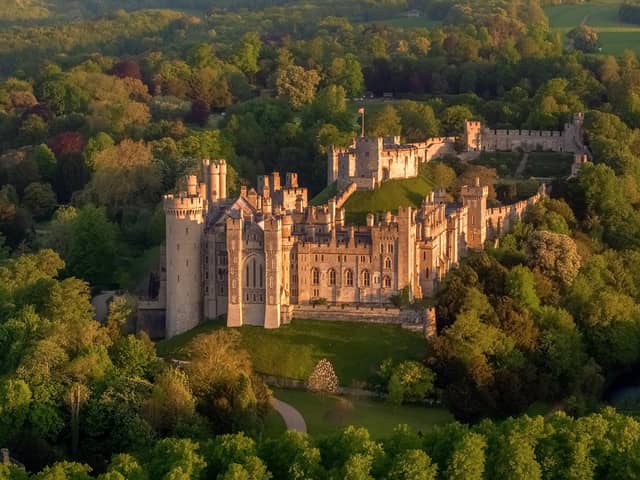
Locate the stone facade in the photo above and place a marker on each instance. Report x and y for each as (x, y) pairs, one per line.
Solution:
(265, 255)
(370, 161)
(478, 137)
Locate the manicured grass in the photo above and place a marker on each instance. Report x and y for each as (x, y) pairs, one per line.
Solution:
(615, 43)
(505, 163)
(548, 164)
(354, 349)
(325, 413)
(391, 195)
(324, 196)
(273, 424)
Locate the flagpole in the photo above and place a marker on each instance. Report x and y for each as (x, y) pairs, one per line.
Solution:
(362, 132)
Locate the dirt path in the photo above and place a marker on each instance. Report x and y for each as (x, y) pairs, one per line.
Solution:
(522, 165)
(290, 415)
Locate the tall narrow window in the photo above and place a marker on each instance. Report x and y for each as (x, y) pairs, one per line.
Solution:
(348, 277)
(332, 277)
(261, 276)
(315, 276)
(366, 278)
(387, 263)
(386, 281)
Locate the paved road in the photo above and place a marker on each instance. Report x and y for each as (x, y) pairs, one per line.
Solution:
(291, 416)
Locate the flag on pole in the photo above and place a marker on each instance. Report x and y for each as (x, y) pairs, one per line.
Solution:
(360, 110)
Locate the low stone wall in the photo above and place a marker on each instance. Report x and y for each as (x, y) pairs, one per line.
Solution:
(410, 319)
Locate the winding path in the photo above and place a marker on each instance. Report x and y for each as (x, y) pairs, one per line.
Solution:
(522, 165)
(290, 415)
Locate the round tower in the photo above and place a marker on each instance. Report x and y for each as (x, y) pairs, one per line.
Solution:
(185, 225)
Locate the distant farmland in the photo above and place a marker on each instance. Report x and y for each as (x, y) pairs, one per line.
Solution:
(615, 36)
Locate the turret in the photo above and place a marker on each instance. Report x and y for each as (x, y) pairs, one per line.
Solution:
(273, 252)
(184, 229)
(475, 198)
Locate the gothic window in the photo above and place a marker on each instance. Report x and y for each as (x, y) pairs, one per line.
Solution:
(387, 263)
(332, 277)
(315, 276)
(386, 281)
(381, 248)
(261, 276)
(366, 278)
(348, 277)
(390, 248)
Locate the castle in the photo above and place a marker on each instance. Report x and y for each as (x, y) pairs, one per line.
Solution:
(262, 257)
(478, 137)
(370, 161)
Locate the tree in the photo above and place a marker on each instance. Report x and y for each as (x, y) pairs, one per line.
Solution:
(246, 58)
(410, 382)
(171, 402)
(67, 143)
(15, 398)
(385, 122)
(520, 285)
(453, 119)
(297, 85)
(65, 471)
(33, 130)
(93, 250)
(173, 458)
(125, 176)
(135, 355)
(468, 459)
(347, 72)
(200, 112)
(413, 465)
(292, 456)
(40, 199)
(584, 38)
(555, 255)
(418, 120)
(126, 68)
(96, 144)
(127, 466)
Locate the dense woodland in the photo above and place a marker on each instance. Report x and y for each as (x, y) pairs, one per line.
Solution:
(103, 109)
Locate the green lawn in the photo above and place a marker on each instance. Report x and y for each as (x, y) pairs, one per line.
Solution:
(324, 413)
(548, 164)
(273, 424)
(615, 36)
(355, 349)
(505, 163)
(391, 195)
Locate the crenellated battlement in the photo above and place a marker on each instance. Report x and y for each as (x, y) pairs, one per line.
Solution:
(184, 207)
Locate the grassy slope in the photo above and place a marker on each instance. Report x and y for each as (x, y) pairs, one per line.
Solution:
(325, 194)
(505, 163)
(615, 36)
(324, 413)
(391, 195)
(355, 349)
(547, 164)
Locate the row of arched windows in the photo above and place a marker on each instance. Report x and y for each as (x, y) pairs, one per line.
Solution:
(348, 278)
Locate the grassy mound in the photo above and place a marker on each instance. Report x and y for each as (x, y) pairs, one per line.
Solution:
(325, 194)
(354, 349)
(324, 413)
(391, 195)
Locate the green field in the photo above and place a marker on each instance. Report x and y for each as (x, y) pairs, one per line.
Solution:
(325, 194)
(355, 349)
(324, 413)
(391, 195)
(615, 36)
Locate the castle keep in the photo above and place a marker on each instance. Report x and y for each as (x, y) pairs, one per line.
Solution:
(261, 257)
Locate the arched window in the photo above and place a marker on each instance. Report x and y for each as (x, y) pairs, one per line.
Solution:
(348, 278)
(332, 277)
(315, 276)
(386, 281)
(387, 263)
(427, 272)
(366, 278)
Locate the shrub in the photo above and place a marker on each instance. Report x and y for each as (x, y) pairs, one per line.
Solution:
(323, 378)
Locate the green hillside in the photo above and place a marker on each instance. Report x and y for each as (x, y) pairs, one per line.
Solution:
(391, 195)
